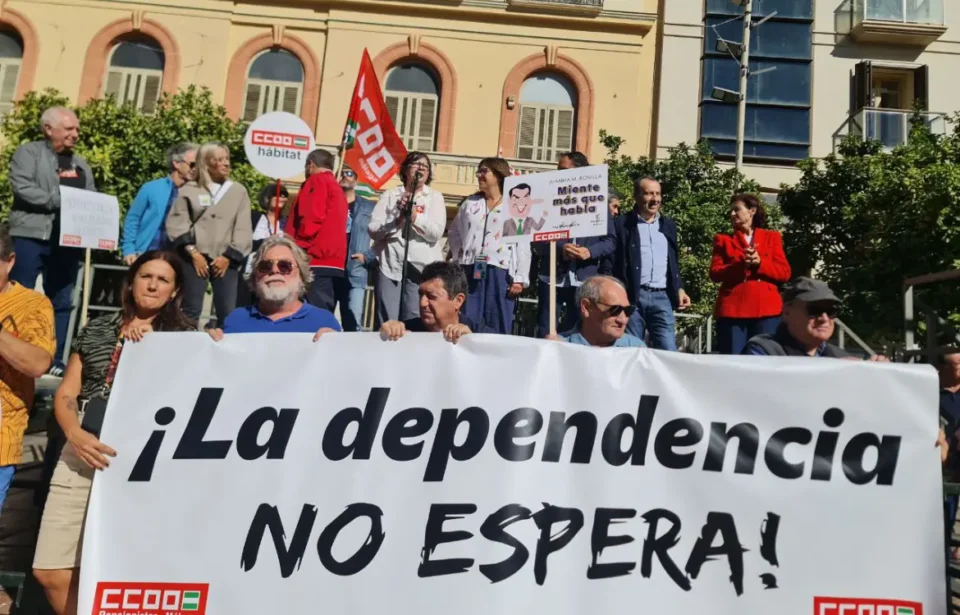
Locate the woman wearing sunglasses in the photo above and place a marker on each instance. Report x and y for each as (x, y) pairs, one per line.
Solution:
(605, 311)
(496, 273)
(750, 266)
(143, 225)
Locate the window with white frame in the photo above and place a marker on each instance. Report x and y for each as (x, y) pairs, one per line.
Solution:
(274, 83)
(413, 101)
(11, 55)
(547, 122)
(135, 73)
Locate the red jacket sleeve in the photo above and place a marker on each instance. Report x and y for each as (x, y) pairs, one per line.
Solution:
(726, 267)
(312, 207)
(775, 269)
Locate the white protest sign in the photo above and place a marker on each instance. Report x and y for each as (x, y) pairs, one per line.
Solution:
(88, 219)
(277, 144)
(510, 476)
(555, 205)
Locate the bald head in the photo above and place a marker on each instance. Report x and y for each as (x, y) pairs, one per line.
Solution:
(648, 197)
(61, 128)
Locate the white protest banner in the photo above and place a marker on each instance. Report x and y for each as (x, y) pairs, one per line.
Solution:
(277, 144)
(509, 475)
(555, 205)
(88, 219)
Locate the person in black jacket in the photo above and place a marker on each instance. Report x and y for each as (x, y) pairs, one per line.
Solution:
(648, 264)
(263, 220)
(577, 260)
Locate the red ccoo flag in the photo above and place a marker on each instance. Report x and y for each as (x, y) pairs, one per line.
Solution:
(371, 145)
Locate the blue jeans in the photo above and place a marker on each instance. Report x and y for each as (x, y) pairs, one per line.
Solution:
(355, 302)
(734, 333)
(568, 312)
(654, 315)
(6, 477)
(59, 266)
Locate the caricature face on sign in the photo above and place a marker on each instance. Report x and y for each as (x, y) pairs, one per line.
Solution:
(523, 212)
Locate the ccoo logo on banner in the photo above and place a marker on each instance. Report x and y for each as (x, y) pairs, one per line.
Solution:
(505, 474)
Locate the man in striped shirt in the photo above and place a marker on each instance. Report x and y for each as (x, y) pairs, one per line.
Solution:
(27, 344)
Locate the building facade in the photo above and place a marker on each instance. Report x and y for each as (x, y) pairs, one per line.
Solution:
(463, 79)
(826, 69)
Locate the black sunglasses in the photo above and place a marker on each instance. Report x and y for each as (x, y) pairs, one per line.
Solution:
(616, 310)
(284, 266)
(348, 173)
(831, 309)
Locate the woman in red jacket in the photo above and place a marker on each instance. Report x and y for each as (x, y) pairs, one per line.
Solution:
(749, 265)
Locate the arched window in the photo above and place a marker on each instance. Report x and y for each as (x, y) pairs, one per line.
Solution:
(11, 55)
(135, 73)
(413, 98)
(274, 83)
(548, 104)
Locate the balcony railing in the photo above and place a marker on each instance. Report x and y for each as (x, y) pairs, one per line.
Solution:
(891, 127)
(582, 6)
(912, 22)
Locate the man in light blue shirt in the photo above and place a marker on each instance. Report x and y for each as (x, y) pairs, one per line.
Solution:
(605, 311)
(143, 225)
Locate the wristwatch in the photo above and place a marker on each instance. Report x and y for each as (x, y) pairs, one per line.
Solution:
(191, 249)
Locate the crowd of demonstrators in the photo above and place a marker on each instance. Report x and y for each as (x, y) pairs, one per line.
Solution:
(576, 260)
(318, 225)
(280, 279)
(153, 290)
(442, 293)
(605, 312)
(647, 261)
(144, 224)
(209, 225)
(267, 221)
(27, 346)
(496, 273)
(750, 266)
(37, 171)
(427, 214)
(352, 292)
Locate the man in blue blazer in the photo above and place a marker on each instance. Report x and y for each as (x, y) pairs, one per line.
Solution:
(143, 226)
(647, 262)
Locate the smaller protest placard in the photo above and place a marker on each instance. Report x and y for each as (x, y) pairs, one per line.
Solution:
(88, 219)
(277, 144)
(555, 205)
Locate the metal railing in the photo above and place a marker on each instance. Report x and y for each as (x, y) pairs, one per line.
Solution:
(843, 332)
(933, 322)
(926, 12)
(598, 4)
(891, 127)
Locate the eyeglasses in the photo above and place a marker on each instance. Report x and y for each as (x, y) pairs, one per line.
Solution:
(192, 165)
(482, 171)
(616, 310)
(831, 309)
(347, 173)
(284, 266)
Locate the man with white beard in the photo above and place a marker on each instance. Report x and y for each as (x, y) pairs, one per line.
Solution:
(279, 277)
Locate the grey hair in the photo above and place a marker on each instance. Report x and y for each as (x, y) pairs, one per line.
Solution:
(299, 256)
(590, 289)
(177, 153)
(52, 115)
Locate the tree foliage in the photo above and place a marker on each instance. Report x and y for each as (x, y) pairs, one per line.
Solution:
(124, 147)
(865, 219)
(696, 194)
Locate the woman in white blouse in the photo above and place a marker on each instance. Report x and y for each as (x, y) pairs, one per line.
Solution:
(496, 273)
(428, 218)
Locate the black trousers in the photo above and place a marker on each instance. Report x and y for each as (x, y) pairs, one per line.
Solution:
(322, 293)
(195, 289)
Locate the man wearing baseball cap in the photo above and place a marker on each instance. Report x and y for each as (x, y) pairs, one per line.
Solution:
(810, 310)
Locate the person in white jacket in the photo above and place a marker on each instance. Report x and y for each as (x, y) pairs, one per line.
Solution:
(497, 273)
(428, 218)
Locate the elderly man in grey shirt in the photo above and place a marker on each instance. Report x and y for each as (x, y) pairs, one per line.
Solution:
(37, 171)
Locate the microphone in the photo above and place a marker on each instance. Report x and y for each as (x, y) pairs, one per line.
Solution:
(406, 203)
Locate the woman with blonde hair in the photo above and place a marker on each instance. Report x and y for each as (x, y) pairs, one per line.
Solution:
(496, 274)
(210, 227)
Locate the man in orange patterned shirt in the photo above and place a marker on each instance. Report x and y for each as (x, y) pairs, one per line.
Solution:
(27, 344)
